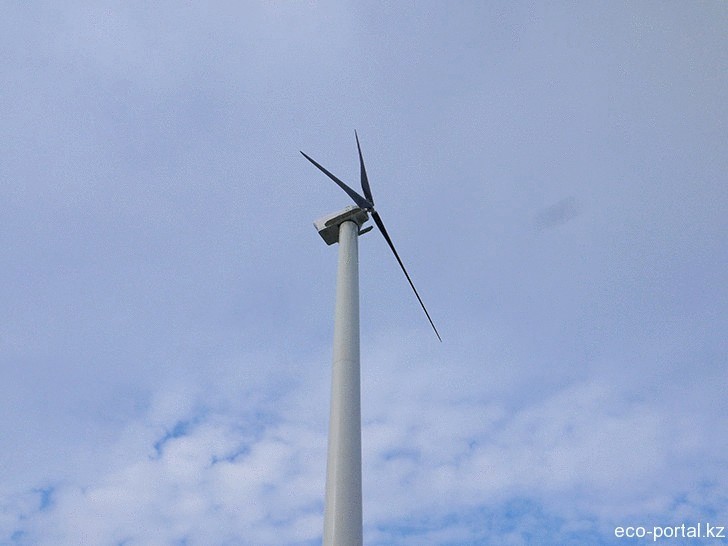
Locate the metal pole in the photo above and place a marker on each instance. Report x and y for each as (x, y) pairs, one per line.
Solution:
(343, 507)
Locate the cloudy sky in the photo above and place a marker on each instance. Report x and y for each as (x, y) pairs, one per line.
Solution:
(553, 174)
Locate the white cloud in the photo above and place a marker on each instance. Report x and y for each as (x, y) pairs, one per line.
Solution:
(586, 452)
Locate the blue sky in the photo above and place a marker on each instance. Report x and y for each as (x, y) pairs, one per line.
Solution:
(554, 176)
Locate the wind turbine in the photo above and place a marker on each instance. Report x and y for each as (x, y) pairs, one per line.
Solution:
(343, 503)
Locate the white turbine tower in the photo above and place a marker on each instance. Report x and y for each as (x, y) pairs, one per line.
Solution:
(343, 502)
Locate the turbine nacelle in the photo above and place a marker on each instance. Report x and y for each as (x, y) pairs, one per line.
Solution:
(328, 226)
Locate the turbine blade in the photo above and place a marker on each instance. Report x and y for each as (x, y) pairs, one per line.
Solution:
(380, 225)
(364, 180)
(358, 199)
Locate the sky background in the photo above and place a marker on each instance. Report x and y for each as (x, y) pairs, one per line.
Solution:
(553, 175)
